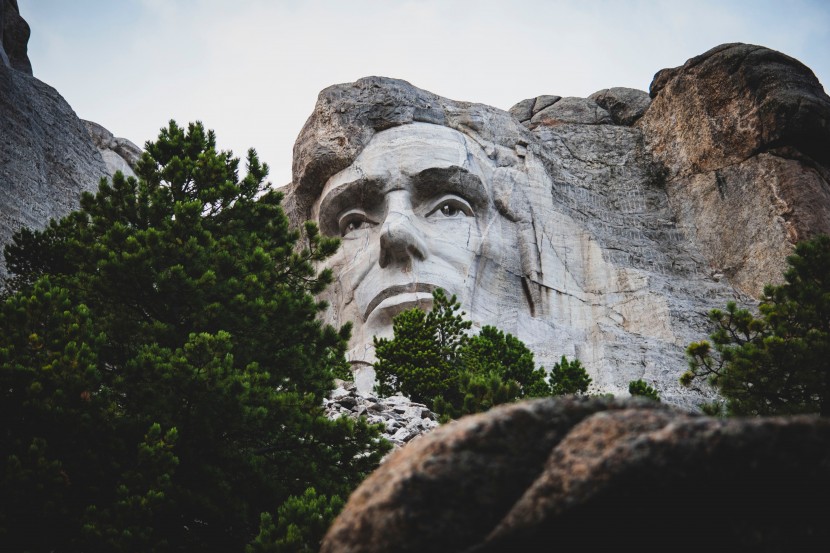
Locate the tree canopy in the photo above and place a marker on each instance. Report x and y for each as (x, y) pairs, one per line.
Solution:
(643, 389)
(776, 362)
(432, 359)
(162, 367)
(569, 377)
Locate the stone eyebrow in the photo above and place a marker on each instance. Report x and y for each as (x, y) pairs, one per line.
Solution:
(360, 192)
(455, 180)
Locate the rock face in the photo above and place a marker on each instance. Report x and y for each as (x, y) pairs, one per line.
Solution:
(47, 157)
(119, 154)
(14, 38)
(594, 474)
(625, 105)
(402, 419)
(601, 228)
(744, 134)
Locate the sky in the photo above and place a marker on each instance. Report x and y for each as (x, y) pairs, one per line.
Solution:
(251, 69)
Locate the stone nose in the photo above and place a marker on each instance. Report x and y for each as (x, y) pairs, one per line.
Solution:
(401, 241)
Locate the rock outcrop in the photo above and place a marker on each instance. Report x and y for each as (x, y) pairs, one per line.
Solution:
(402, 418)
(119, 154)
(602, 228)
(593, 475)
(47, 157)
(744, 135)
(14, 38)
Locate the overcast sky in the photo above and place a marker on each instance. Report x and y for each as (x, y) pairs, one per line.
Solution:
(251, 69)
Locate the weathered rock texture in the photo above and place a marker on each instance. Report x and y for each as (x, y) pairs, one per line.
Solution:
(596, 475)
(14, 37)
(118, 153)
(47, 156)
(402, 419)
(602, 228)
(744, 134)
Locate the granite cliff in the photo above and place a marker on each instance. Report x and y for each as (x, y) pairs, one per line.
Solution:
(47, 156)
(602, 228)
(649, 209)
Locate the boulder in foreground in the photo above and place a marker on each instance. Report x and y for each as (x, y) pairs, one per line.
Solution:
(562, 473)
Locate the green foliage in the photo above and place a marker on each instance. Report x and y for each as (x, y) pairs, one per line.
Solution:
(301, 524)
(162, 367)
(492, 352)
(421, 361)
(774, 363)
(714, 408)
(432, 360)
(640, 388)
(569, 377)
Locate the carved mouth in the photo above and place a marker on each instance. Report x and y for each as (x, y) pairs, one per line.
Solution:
(412, 290)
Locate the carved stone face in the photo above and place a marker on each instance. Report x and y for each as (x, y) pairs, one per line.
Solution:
(413, 211)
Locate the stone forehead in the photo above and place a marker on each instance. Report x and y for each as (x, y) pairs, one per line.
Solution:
(423, 143)
(347, 116)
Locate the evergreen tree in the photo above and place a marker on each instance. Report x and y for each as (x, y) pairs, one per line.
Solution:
(777, 362)
(162, 368)
(640, 388)
(301, 524)
(492, 352)
(422, 360)
(432, 360)
(569, 377)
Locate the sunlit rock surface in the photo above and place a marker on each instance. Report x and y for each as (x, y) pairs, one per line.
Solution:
(119, 154)
(592, 228)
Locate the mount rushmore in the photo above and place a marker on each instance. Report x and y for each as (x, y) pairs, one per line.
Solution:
(601, 228)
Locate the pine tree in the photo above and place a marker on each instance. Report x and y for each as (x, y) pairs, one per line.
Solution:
(162, 367)
(569, 377)
(422, 360)
(777, 362)
(432, 360)
(642, 389)
(494, 352)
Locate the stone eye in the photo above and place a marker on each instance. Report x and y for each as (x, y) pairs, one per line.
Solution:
(352, 223)
(451, 207)
(352, 226)
(449, 210)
